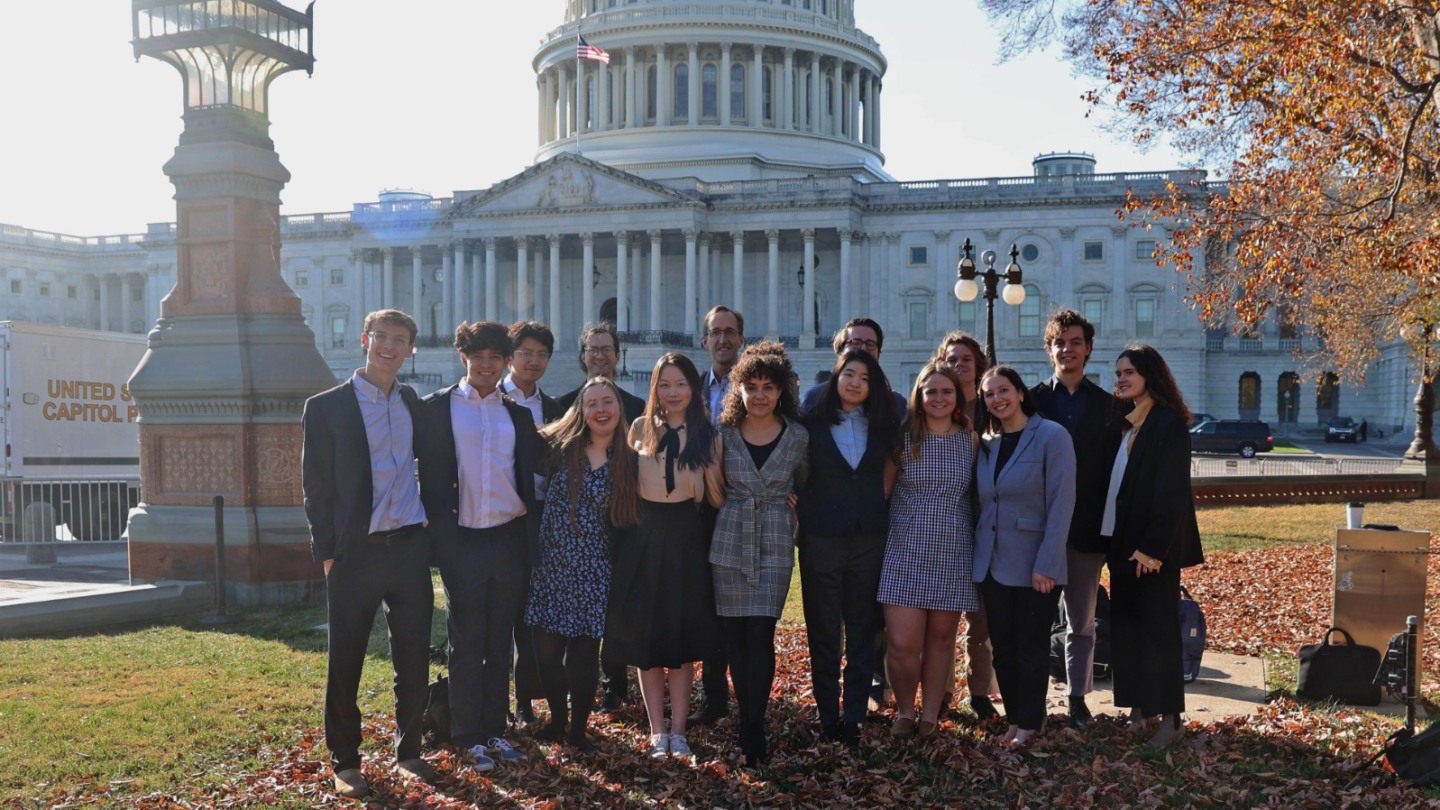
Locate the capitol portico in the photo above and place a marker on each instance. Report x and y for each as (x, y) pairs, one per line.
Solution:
(730, 153)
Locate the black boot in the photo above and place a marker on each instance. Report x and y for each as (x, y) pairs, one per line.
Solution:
(1080, 715)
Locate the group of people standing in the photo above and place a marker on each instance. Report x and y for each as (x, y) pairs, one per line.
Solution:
(599, 531)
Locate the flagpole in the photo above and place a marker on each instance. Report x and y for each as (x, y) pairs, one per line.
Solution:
(579, 89)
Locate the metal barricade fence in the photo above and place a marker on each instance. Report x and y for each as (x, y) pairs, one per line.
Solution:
(1219, 466)
(40, 512)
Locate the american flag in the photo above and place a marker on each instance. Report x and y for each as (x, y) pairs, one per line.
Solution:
(585, 50)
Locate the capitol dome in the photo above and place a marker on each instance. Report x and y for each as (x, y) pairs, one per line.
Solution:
(718, 90)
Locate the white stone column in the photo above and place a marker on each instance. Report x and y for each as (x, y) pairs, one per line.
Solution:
(664, 101)
(103, 279)
(522, 271)
(537, 304)
(852, 103)
(724, 84)
(836, 96)
(555, 325)
(877, 113)
(563, 99)
(355, 271)
(718, 292)
(690, 278)
(587, 278)
(692, 85)
(155, 286)
(542, 92)
(807, 315)
(417, 284)
(1065, 275)
(814, 108)
(706, 294)
(786, 112)
(462, 280)
(450, 307)
(846, 309)
(655, 266)
(387, 279)
(757, 89)
(867, 84)
(492, 310)
(637, 273)
(1119, 295)
(622, 279)
(772, 286)
(477, 289)
(737, 270)
(945, 304)
(630, 70)
(603, 72)
(124, 302)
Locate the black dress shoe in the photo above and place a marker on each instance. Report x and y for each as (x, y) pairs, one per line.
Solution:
(707, 713)
(611, 702)
(1080, 715)
(830, 732)
(553, 732)
(983, 708)
(850, 734)
(580, 742)
(525, 716)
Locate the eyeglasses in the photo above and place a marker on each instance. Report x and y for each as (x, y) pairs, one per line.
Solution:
(725, 333)
(526, 355)
(599, 351)
(382, 339)
(857, 343)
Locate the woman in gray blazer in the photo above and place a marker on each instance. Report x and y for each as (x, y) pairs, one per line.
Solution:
(1025, 476)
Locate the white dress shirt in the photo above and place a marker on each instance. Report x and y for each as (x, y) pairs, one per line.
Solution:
(485, 456)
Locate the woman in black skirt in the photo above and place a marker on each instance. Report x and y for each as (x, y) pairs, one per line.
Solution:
(662, 616)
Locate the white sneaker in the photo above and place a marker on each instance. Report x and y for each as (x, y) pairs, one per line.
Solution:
(481, 761)
(680, 748)
(659, 746)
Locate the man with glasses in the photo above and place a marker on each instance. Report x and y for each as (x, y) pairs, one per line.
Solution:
(478, 461)
(599, 352)
(724, 339)
(533, 344)
(367, 527)
(859, 335)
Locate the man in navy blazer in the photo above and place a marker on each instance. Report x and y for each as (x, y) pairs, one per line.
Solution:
(478, 462)
(367, 527)
(1082, 408)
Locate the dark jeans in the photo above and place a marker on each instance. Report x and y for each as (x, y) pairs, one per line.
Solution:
(397, 578)
(487, 575)
(568, 669)
(1020, 620)
(528, 685)
(750, 642)
(714, 665)
(839, 579)
(1145, 646)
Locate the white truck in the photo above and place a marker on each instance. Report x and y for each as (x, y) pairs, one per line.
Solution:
(71, 468)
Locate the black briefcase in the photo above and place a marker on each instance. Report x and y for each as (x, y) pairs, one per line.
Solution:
(1343, 672)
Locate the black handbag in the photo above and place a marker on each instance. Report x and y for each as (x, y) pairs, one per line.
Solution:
(1415, 757)
(1343, 672)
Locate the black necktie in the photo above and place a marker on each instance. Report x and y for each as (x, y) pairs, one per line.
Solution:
(670, 446)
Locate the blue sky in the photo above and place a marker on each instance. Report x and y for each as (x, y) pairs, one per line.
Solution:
(438, 95)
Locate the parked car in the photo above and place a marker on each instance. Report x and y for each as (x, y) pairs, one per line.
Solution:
(1342, 429)
(1200, 419)
(1244, 436)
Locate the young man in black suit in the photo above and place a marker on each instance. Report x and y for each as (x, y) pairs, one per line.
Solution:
(478, 461)
(367, 527)
(1082, 407)
(533, 344)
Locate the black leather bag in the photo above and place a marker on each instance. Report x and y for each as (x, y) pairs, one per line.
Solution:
(1343, 672)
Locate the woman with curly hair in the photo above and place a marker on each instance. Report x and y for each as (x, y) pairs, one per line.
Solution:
(661, 620)
(592, 494)
(753, 549)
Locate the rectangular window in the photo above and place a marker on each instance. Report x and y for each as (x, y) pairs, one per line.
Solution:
(1094, 311)
(968, 317)
(302, 278)
(337, 276)
(1145, 249)
(919, 319)
(337, 332)
(72, 292)
(44, 289)
(919, 255)
(1094, 251)
(137, 293)
(16, 288)
(1145, 317)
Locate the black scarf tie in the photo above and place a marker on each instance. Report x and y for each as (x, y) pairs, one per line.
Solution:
(670, 446)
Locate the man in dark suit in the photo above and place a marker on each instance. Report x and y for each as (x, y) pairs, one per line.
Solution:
(367, 527)
(533, 344)
(478, 460)
(1082, 407)
(599, 351)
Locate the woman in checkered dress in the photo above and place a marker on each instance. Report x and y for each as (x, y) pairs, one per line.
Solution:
(926, 580)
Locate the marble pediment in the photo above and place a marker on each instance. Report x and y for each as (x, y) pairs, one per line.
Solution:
(568, 182)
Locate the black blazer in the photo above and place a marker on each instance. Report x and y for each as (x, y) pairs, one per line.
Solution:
(440, 472)
(1155, 508)
(1095, 444)
(633, 406)
(837, 501)
(335, 469)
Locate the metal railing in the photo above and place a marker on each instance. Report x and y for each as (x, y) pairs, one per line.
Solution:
(49, 511)
(1219, 466)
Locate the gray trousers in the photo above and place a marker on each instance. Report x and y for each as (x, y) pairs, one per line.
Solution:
(1079, 601)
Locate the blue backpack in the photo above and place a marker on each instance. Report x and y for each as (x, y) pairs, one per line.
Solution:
(1192, 635)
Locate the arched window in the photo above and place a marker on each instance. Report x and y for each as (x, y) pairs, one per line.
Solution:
(592, 115)
(1287, 396)
(737, 91)
(650, 92)
(682, 90)
(766, 91)
(709, 93)
(1030, 312)
(1249, 395)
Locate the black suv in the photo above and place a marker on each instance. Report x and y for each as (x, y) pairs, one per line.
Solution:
(1244, 436)
(1342, 429)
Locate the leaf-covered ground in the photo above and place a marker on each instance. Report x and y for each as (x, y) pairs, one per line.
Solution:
(1285, 754)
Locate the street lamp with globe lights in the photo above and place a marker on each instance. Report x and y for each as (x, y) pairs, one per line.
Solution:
(966, 287)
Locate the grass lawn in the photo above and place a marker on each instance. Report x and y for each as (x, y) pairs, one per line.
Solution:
(1286, 446)
(182, 714)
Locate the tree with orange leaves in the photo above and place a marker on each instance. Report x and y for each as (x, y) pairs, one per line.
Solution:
(1325, 119)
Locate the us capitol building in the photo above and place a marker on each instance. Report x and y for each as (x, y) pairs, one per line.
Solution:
(730, 152)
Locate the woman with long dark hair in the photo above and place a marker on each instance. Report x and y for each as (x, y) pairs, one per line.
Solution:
(1026, 481)
(753, 550)
(1150, 520)
(592, 495)
(661, 618)
(842, 536)
(925, 581)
